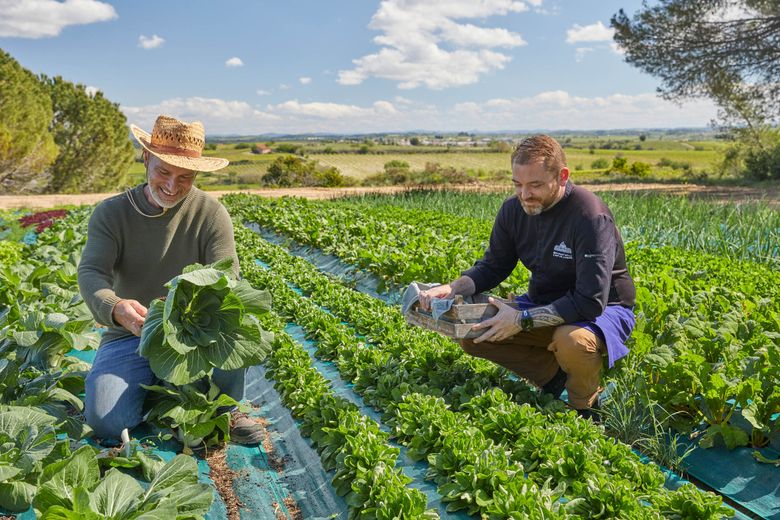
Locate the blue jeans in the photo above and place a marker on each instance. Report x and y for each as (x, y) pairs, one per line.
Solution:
(113, 397)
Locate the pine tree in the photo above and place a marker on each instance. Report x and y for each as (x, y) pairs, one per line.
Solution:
(26, 146)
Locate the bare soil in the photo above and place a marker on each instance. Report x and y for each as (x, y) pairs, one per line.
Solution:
(721, 193)
(223, 478)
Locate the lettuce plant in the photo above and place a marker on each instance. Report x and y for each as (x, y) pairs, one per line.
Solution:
(206, 321)
(73, 488)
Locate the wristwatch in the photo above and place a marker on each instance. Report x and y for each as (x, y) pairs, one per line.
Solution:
(526, 320)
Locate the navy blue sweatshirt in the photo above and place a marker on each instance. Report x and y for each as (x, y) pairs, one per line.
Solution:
(573, 250)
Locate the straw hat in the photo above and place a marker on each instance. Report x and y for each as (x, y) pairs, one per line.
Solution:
(178, 143)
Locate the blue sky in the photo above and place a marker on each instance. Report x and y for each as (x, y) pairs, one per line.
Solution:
(348, 66)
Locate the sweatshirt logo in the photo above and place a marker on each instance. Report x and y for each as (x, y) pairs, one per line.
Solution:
(562, 251)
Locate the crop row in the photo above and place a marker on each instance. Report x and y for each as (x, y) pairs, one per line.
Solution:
(707, 329)
(488, 454)
(348, 442)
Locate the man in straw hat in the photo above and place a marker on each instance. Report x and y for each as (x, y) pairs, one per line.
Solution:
(136, 242)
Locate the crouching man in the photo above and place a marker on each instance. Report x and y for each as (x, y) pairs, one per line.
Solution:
(579, 305)
(136, 242)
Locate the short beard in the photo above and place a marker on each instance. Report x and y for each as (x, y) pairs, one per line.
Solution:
(160, 202)
(533, 212)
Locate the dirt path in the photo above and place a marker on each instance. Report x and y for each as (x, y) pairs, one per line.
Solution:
(723, 193)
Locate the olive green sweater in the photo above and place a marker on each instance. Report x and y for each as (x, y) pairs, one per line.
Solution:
(131, 256)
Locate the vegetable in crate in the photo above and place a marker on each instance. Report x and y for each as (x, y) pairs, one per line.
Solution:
(206, 321)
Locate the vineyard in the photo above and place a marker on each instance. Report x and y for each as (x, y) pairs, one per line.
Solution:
(369, 417)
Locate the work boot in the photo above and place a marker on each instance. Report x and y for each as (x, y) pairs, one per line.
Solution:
(244, 430)
(556, 385)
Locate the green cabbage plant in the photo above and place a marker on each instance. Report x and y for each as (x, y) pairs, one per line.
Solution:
(206, 321)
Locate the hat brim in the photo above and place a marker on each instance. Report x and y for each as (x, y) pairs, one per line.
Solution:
(201, 164)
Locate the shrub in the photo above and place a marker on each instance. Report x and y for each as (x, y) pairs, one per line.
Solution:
(619, 164)
(290, 170)
(288, 148)
(639, 169)
(286, 171)
(600, 164)
(763, 164)
(664, 162)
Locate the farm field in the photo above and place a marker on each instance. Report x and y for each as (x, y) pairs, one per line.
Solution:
(399, 420)
(360, 166)
(246, 168)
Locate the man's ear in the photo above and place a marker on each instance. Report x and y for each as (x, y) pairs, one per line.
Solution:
(563, 176)
(145, 156)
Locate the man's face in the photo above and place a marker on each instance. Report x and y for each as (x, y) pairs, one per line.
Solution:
(168, 184)
(537, 188)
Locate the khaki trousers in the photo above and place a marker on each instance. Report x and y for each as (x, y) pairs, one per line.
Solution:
(537, 354)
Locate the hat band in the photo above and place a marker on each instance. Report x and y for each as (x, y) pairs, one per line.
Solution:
(173, 150)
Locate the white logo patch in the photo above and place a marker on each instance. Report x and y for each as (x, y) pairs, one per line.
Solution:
(562, 251)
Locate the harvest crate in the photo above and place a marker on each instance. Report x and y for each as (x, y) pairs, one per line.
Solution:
(456, 323)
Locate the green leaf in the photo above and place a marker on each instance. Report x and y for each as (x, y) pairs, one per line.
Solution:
(16, 496)
(732, 436)
(180, 471)
(115, 494)
(59, 480)
(253, 300)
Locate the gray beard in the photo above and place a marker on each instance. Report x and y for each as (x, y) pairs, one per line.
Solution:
(533, 212)
(161, 203)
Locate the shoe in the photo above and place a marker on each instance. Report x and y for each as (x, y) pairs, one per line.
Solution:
(244, 430)
(593, 413)
(556, 385)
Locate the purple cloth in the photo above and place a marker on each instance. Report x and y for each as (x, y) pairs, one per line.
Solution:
(614, 326)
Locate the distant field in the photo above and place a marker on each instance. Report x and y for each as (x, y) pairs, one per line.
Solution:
(361, 166)
(246, 169)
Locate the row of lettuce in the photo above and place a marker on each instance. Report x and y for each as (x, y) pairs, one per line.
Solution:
(494, 446)
(707, 341)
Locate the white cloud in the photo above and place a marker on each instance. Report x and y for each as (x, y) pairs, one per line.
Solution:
(261, 92)
(321, 110)
(551, 110)
(283, 86)
(304, 80)
(47, 18)
(595, 32)
(422, 43)
(580, 52)
(559, 110)
(218, 116)
(91, 91)
(150, 42)
(234, 62)
(616, 48)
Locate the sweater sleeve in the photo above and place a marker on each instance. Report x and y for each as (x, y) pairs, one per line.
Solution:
(594, 257)
(220, 242)
(499, 259)
(95, 271)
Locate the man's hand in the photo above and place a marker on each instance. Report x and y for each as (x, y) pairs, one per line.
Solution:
(501, 326)
(130, 314)
(440, 291)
